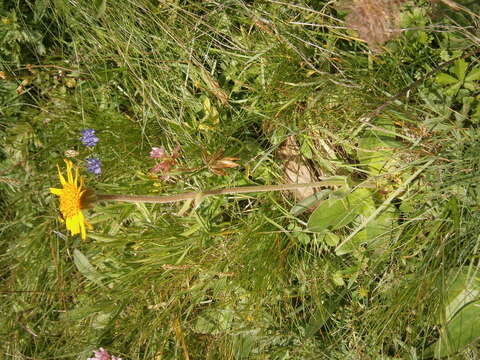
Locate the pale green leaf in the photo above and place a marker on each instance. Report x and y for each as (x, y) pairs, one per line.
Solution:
(324, 311)
(101, 7)
(85, 268)
(460, 313)
(375, 234)
(214, 321)
(376, 153)
(469, 85)
(309, 202)
(463, 288)
(461, 331)
(459, 69)
(445, 79)
(331, 239)
(335, 213)
(453, 90)
(474, 74)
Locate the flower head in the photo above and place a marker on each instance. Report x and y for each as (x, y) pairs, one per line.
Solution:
(88, 138)
(102, 354)
(73, 198)
(93, 166)
(167, 161)
(158, 153)
(71, 153)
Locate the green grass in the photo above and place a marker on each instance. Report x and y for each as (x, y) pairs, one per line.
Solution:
(238, 277)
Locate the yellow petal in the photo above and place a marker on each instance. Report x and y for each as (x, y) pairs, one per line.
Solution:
(69, 170)
(76, 176)
(62, 179)
(56, 191)
(72, 225)
(82, 227)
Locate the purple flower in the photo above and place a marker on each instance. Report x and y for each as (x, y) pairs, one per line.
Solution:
(88, 138)
(93, 166)
(102, 354)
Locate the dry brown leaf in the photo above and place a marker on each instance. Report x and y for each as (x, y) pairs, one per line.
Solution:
(216, 162)
(376, 21)
(295, 170)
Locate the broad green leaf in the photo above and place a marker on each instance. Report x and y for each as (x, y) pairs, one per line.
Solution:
(323, 313)
(376, 153)
(385, 127)
(460, 314)
(461, 331)
(453, 90)
(308, 202)
(375, 233)
(85, 268)
(445, 79)
(462, 287)
(459, 69)
(211, 116)
(331, 239)
(306, 149)
(474, 74)
(335, 213)
(101, 7)
(214, 321)
(470, 85)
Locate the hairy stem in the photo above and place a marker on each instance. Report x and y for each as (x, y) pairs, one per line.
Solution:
(334, 181)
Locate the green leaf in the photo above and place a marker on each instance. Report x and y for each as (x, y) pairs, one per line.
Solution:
(453, 90)
(376, 153)
(335, 213)
(460, 332)
(324, 311)
(375, 234)
(469, 85)
(474, 74)
(475, 118)
(445, 79)
(459, 69)
(214, 321)
(460, 313)
(85, 268)
(462, 288)
(331, 239)
(309, 202)
(306, 149)
(101, 7)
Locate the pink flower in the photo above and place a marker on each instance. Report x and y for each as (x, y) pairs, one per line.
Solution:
(102, 354)
(158, 153)
(168, 161)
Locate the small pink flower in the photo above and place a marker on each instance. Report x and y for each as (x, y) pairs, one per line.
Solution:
(102, 354)
(158, 153)
(168, 161)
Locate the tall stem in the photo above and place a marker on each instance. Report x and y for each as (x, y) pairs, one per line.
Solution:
(226, 191)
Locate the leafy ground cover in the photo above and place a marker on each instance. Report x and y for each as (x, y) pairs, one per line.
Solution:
(166, 97)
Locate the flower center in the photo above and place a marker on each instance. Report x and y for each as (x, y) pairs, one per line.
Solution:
(70, 200)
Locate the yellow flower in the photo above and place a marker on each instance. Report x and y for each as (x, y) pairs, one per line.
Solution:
(72, 200)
